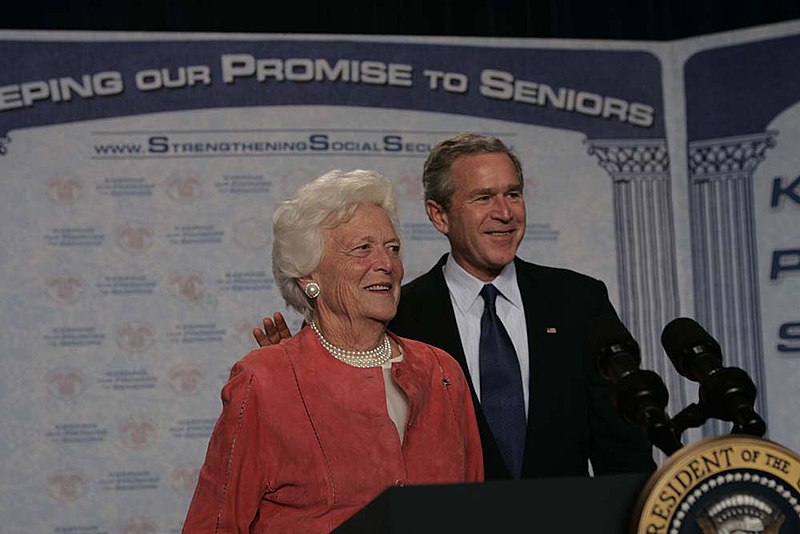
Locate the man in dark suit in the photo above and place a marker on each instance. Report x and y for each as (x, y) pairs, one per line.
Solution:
(473, 195)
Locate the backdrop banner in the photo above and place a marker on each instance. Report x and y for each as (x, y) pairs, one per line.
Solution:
(139, 173)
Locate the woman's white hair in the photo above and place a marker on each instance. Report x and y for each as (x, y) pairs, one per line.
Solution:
(297, 225)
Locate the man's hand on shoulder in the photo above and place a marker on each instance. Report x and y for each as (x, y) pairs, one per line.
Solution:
(273, 332)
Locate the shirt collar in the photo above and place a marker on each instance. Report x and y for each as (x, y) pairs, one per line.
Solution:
(466, 289)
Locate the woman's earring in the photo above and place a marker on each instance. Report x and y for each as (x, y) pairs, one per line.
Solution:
(311, 290)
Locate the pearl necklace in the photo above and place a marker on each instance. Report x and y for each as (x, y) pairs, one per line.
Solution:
(357, 358)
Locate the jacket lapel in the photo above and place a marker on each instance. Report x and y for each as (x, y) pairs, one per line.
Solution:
(534, 297)
(436, 317)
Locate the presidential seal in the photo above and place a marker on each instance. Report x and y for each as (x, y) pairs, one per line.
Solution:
(734, 484)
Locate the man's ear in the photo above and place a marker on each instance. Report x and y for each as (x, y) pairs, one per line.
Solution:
(438, 216)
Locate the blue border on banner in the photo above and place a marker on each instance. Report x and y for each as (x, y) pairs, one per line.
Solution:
(740, 89)
(32, 74)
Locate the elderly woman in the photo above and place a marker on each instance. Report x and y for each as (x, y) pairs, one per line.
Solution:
(316, 427)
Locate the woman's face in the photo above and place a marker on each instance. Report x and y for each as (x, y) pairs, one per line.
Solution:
(360, 272)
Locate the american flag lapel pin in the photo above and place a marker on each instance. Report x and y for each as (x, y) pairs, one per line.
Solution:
(551, 330)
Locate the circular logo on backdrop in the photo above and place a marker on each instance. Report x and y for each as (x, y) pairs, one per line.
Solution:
(139, 525)
(136, 336)
(65, 189)
(244, 330)
(135, 237)
(65, 288)
(188, 287)
(65, 382)
(66, 485)
(184, 479)
(184, 189)
(138, 433)
(409, 186)
(728, 484)
(185, 379)
(252, 233)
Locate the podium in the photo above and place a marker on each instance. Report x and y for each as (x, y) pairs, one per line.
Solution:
(602, 504)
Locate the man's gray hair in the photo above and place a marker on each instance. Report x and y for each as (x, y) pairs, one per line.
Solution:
(437, 178)
(298, 222)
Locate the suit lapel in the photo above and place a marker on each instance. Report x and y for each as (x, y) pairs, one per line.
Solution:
(437, 317)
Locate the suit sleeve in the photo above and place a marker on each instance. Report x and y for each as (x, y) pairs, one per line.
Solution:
(232, 479)
(616, 445)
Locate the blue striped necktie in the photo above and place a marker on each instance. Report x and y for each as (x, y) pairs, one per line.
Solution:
(501, 385)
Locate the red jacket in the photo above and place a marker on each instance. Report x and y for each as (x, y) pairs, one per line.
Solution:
(305, 441)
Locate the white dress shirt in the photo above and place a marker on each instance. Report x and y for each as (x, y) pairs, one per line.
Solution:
(468, 307)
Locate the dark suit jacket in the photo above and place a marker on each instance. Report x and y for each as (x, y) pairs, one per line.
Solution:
(571, 418)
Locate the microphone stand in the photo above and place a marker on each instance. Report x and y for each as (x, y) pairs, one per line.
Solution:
(727, 394)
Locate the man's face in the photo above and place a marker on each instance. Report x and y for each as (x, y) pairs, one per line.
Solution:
(485, 222)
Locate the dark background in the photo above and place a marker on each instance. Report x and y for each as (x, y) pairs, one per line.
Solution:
(652, 20)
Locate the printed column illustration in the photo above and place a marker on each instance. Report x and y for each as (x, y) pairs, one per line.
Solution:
(724, 258)
(645, 236)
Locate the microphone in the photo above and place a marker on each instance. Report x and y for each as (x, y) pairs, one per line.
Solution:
(726, 393)
(640, 396)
